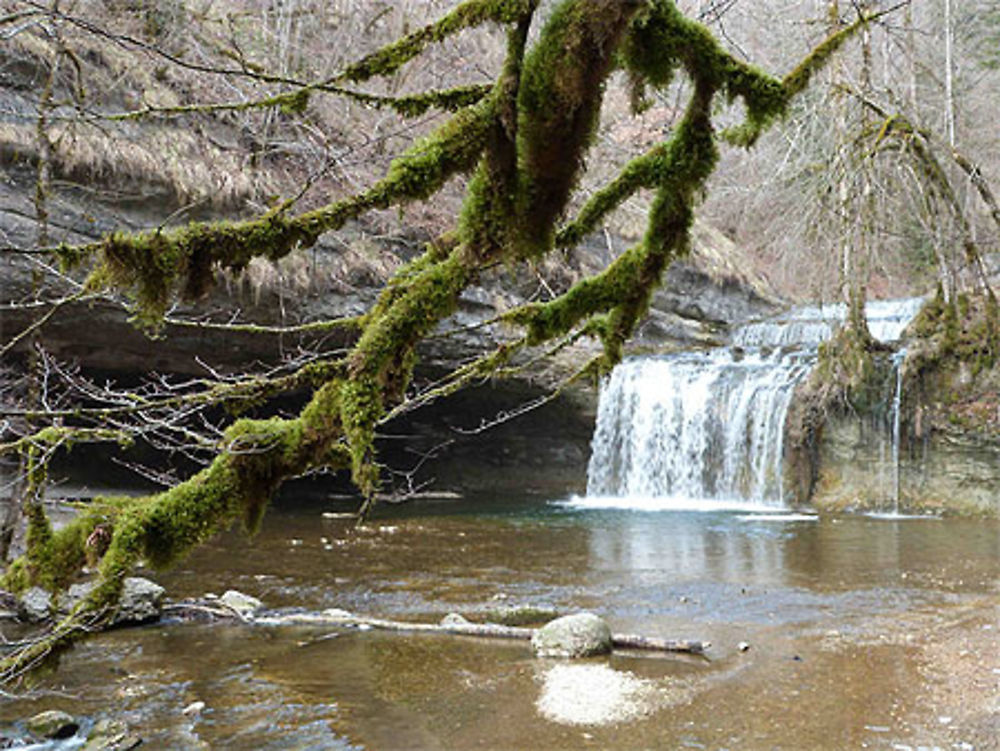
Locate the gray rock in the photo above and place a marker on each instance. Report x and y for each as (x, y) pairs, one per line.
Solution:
(243, 604)
(111, 735)
(35, 605)
(572, 636)
(141, 600)
(52, 724)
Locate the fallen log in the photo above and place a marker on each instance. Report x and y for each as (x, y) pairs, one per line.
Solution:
(461, 627)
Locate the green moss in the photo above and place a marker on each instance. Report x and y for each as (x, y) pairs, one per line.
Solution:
(471, 13)
(382, 361)
(661, 40)
(558, 105)
(413, 105)
(54, 562)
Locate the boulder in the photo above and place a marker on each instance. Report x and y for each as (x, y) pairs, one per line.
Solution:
(52, 724)
(244, 604)
(573, 636)
(141, 600)
(35, 605)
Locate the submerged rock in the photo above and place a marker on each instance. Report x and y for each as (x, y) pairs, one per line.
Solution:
(52, 724)
(111, 735)
(573, 636)
(244, 604)
(596, 695)
(35, 605)
(521, 615)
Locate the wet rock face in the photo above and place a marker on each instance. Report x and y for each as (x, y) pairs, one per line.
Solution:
(573, 636)
(938, 474)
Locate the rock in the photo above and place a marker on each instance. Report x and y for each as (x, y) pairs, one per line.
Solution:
(35, 605)
(141, 600)
(52, 724)
(111, 735)
(244, 605)
(521, 616)
(572, 636)
(454, 619)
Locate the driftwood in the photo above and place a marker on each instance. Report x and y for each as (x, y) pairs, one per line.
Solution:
(490, 630)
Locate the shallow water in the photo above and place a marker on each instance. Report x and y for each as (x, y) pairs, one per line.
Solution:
(841, 614)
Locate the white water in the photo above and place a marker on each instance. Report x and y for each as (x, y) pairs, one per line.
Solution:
(705, 430)
(812, 324)
(897, 399)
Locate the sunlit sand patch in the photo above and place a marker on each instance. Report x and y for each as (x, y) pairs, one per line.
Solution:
(596, 694)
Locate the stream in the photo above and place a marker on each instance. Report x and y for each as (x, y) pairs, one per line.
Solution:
(827, 632)
(856, 632)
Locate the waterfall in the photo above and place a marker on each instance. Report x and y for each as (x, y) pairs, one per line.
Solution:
(897, 399)
(709, 425)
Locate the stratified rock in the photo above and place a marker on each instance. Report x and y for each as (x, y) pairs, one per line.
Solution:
(572, 636)
(35, 605)
(111, 735)
(243, 604)
(52, 724)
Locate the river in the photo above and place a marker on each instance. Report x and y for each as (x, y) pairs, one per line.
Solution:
(856, 632)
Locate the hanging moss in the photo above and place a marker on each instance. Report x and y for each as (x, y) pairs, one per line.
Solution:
(559, 101)
(471, 13)
(661, 40)
(382, 361)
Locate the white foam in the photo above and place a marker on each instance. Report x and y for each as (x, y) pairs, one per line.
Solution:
(661, 503)
(779, 518)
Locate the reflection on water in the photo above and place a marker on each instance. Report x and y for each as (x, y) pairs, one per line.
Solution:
(781, 584)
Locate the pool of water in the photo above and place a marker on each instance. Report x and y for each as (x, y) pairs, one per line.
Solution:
(827, 632)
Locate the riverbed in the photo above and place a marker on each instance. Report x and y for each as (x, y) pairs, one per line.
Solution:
(827, 632)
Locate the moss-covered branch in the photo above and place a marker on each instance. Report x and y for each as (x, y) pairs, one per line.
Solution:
(469, 14)
(296, 101)
(154, 266)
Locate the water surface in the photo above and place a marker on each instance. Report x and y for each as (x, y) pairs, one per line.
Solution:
(850, 623)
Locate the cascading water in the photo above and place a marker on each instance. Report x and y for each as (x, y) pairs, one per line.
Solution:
(897, 399)
(709, 426)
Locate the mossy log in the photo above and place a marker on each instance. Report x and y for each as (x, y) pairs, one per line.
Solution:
(525, 142)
